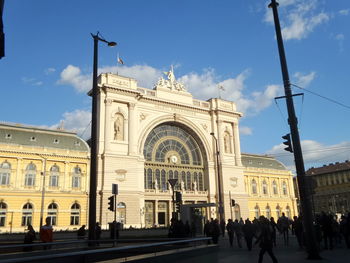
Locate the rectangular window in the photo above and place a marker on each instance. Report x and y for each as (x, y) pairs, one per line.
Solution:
(2, 218)
(26, 219)
(76, 182)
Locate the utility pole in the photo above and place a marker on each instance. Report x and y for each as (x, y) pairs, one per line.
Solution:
(304, 191)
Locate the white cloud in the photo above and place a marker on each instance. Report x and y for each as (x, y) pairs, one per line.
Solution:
(314, 153)
(303, 80)
(72, 75)
(244, 130)
(344, 12)
(298, 18)
(32, 81)
(202, 86)
(48, 71)
(77, 121)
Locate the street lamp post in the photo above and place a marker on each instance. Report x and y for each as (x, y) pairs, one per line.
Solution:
(221, 208)
(43, 195)
(94, 150)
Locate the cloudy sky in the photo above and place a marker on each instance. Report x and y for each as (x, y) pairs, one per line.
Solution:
(47, 70)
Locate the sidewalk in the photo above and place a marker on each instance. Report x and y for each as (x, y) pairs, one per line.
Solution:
(284, 254)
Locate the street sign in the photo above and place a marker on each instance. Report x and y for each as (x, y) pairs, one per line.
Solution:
(115, 189)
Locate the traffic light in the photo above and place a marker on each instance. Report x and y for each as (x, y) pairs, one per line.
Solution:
(233, 202)
(111, 203)
(178, 197)
(288, 143)
(178, 206)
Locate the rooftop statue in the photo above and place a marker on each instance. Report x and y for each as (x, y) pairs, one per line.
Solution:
(171, 82)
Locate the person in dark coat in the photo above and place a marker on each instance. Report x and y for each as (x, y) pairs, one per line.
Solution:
(98, 232)
(215, 231)
(29, 237)
(222, 227)
(230, 231)
(81, 232)
(274, 230)
(265, 240)
(248, 231)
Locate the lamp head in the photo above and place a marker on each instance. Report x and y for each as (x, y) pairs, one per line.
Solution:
(112, 44)
(212, 133)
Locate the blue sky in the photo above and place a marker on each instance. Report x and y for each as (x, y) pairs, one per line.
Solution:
(47, 69)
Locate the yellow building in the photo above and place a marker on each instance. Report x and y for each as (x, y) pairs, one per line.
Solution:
(43, 173)
(269, 186)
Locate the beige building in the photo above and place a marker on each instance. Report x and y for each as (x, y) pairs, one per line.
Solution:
(331, 187)
(146, 137)
(30, 156)
(269, 186)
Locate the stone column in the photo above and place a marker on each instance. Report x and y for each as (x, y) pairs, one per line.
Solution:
(20, 177)
(156, 212)
(108, 127)
(237, 146)
(67, 183)
(132, 129)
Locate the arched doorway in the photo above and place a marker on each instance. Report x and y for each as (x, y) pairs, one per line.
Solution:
(172, 151)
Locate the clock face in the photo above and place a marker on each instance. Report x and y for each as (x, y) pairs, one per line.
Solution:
(173, 159)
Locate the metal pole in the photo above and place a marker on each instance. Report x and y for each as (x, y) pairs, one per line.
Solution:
(221, 209)
(115, 221)
(304, 190)
(231, 205)
(94, 153)
(43, 196)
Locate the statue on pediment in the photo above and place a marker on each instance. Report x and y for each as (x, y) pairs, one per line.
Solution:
(171, 82)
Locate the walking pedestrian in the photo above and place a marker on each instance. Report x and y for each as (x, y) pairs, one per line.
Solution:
(248, 231)
(81, 232)
(46, 233)
(230, 231)
(265, 240)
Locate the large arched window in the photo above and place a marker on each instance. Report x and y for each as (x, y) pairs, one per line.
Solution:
(27, 214)
(75, 214)
(3, 211)
(76, 177)
(54, 176)
(175, 150)
(52, 213)
(274, 188)
(30, 175)
(264, 188)
(284, 188)
(254, 188)
(5, 172)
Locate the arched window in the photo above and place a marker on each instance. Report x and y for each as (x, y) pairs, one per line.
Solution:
(200, 182)
(3, 211)
(76, 177)
(188, 181)
(183, 181)
(176, 176)
(75, 214)
(284, 188)
(256, 211)
(27, 214)
(288, 214)
(157, 179)
(274, 188)
(148, 184)
(163, 181)
(52, 213)
(254, 188)
(54, 176)
(268, 212)
(5, 172)
(264, 187)
(278, 211)
(121, 212)
(30, 175)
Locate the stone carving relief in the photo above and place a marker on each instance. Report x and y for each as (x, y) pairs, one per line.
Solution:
(227, 142)
(234, 181)
(170, 83)
(119, 127)
(205, 126)
(120, 175)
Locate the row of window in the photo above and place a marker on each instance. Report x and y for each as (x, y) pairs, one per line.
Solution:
(52, 212)
(158, 179)
(339, 178)
(257, 211)
(31, 172)
(264, 187)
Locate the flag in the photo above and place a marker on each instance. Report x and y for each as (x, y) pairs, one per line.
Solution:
(119, 60)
